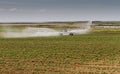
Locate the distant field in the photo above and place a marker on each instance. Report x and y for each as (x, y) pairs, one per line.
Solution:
(85, 54)
(47, 24)
(106, 23)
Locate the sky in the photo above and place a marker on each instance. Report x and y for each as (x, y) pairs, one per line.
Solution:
(59, 10)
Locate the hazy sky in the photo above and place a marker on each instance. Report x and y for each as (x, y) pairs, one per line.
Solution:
(58, 10)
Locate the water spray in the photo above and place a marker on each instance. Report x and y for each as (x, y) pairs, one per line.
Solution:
(38, 32)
